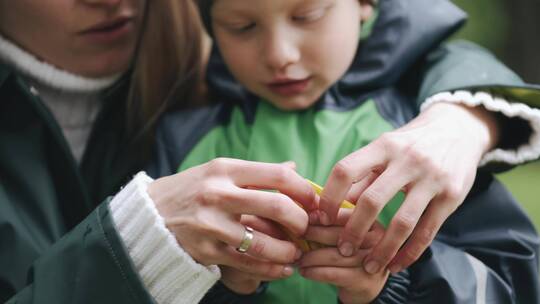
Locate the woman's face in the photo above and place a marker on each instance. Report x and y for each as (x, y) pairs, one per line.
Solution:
(93, 38)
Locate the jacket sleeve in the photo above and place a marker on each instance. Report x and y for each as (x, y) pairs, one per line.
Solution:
(461, 72)
(486, 252)
(88, 265)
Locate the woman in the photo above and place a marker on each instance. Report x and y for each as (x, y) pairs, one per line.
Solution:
(78, 103)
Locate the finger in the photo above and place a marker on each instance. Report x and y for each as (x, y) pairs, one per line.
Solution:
(344, 214)
(424, 233)
(330, 256)
(368, 206)
(341, 277)
(236, 275)
(291, 164)
(256, 267)
(346, 172)
(358, 188)
(400, 228)
(269, 248)
(263, 225)
(329, 235)
(326, 235)
(261, 245)
(270, 205)
(373, 236)
(268, 176)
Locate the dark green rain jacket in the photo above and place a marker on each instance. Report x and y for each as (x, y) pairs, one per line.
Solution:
(487, 251)
(57, 239)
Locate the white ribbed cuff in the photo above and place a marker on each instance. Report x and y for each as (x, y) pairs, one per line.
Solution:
(168, 272)
(527, 151)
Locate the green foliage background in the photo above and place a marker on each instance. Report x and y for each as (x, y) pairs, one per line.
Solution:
(488, 26)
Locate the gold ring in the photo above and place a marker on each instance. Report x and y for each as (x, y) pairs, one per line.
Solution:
(246, 241)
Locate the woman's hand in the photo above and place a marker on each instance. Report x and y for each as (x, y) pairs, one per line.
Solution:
(242, 282)
(329, 266)
(202, 207)
(433, 159)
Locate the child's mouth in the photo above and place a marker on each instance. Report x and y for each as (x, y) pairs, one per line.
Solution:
(289, 87)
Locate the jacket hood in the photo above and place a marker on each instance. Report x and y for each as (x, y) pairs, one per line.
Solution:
(405, 30)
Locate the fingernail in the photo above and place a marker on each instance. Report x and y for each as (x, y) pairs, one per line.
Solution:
(346, 249)
(372, 267)
(395, 268)
(298, 254)
(313, 218)
(287, 271)
(325, 220)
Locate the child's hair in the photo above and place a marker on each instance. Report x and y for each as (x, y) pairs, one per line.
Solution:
(206, 5)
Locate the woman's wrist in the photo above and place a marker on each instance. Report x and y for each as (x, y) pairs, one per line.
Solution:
(481, 124)
(167, 271)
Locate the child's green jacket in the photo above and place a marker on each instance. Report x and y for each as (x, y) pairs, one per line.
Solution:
(487, 249)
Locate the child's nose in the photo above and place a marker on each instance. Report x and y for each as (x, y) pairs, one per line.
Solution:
(281, 51)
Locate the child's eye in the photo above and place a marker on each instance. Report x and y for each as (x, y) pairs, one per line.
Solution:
(242, 28)
(309, 16)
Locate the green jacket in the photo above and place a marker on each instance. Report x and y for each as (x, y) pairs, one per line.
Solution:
(57, 241)
(397, 68)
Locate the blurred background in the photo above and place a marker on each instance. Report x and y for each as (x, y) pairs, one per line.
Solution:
(511, 30)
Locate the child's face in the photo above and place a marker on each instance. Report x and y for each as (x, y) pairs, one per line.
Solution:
(288, 51)
(87, 37)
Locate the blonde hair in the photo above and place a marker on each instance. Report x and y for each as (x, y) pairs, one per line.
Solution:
(167, 68)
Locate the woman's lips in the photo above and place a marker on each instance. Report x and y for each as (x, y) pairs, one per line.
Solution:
(109, 32)
(289, 87)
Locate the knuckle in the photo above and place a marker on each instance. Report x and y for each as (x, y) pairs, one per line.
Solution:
(341, 171)
(204, 224)
(372, 202)
(259, 246)
(277, 206)
(389, 142)
(291, 254)
(222, 166)
(282, 175)
(453, 192)
(425, 237)
(411, 254)
(404, 222)
(210, 194)
(441, 176)
(352, 235)
(217, 165)
(419, 159)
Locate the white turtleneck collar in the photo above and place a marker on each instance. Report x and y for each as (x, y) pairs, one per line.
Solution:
(28, 65)
(73, 100)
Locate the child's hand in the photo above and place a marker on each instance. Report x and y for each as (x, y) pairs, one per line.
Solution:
(433, 159)
(329, 266)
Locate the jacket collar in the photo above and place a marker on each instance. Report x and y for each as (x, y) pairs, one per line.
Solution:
(405, 30)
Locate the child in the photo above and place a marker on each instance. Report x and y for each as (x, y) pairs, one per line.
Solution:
(312, 97)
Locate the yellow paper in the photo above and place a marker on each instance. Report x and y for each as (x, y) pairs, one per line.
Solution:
(303, 244)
